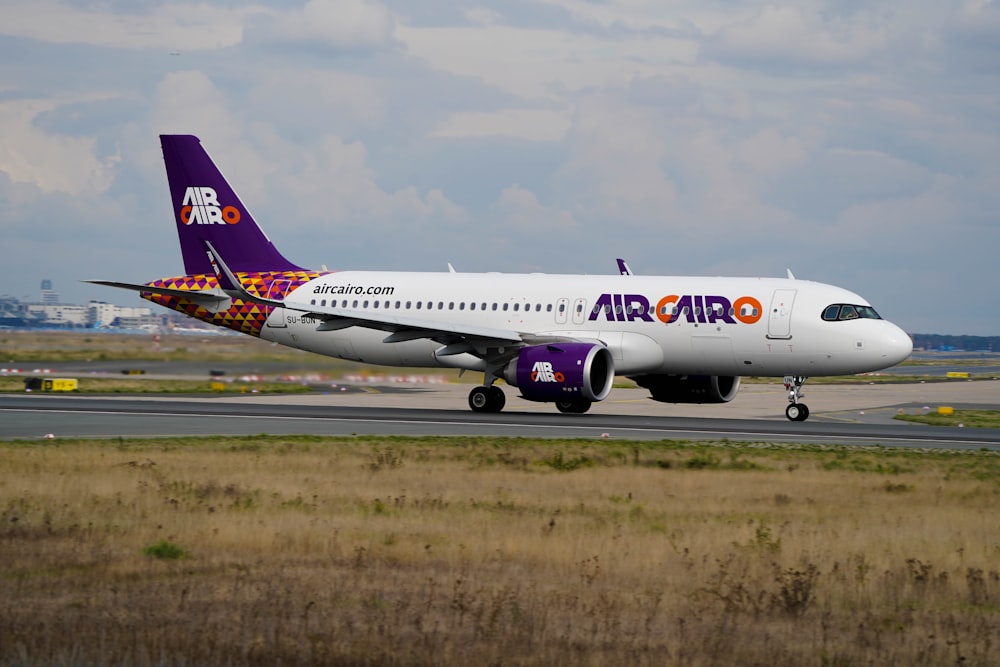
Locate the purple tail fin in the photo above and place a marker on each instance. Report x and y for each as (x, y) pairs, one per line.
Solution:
(207, 209)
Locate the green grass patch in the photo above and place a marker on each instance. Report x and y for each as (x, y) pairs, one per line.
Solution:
(968, 418)
(165, 550)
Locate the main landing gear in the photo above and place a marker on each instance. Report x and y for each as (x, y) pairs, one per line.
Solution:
(796, 412)
(573, 407)
(487, 399)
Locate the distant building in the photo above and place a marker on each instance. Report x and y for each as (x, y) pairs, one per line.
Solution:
(55, 315)
(49, 296)
(102, 314)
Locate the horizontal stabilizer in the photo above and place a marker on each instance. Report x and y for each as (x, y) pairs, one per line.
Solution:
(211, 300)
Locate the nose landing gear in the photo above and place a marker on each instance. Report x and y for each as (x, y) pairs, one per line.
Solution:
(796, 412)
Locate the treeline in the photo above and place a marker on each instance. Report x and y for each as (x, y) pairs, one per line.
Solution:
(967, 343)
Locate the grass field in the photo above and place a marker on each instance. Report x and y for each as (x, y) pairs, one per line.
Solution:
(308, 551)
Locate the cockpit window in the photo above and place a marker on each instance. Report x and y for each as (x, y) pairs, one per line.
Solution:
(846, 311)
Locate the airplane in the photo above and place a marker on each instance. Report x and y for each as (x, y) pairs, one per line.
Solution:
(558, 339)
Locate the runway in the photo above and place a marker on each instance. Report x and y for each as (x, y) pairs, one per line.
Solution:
(37, 416)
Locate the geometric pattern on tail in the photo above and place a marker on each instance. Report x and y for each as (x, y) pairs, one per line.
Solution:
(248, 318)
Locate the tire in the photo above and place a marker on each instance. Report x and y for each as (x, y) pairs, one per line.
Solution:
(499, 399)
(797, 412)
(573, 407)
(479, 399)
(487, 399)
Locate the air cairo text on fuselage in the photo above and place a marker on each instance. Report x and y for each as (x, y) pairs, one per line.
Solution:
(696, 308)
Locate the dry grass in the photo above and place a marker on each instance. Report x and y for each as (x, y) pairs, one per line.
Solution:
(456, 551)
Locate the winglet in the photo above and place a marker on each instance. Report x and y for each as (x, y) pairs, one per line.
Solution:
(623, 267)
(229, 283)
(790, 276)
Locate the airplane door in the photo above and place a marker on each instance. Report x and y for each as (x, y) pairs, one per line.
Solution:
(779, 319)
(562, 305)
(578, 311)
(277, 290)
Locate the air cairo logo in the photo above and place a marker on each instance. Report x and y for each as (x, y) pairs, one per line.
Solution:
(542, 371)
(201, 207)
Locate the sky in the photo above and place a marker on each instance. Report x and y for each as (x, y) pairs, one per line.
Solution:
(856, 143)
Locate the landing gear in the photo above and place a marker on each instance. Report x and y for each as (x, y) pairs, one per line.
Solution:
(487, 399)
(573, 407)
(796, 412)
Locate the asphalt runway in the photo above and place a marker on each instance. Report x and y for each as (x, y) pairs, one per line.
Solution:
(441, 411)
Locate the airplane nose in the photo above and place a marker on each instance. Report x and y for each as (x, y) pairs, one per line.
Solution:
(896, 345)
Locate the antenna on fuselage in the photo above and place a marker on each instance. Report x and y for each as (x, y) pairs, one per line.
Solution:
(790, 276)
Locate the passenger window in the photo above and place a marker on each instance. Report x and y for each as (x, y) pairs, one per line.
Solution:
(451, 305)
(472, 306)
(418, 305)
(494, 306)
(516, 307)
(548, 308)
(365, 304)
(355, 305)
(505, 307)
(461, 306)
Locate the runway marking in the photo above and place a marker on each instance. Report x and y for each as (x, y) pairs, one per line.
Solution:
(743, 435)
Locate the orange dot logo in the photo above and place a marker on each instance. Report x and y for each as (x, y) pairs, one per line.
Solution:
(231, 215)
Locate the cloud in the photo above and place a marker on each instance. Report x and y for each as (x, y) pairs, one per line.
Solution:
(789, 37)
(538, 64)
(530, 124)
(51, 162)
(520, 209)
(339, 24)
(614, 166)
(180, 26)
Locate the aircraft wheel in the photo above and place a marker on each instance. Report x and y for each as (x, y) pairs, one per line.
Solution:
(499, 399)
(573, 407)
(487, 399)
(797, 412)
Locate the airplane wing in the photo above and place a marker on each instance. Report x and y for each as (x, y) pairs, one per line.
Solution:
(456, 338)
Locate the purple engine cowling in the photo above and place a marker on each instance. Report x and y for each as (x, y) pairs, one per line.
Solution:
(562, 372)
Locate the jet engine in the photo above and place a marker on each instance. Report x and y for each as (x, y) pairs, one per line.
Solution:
(562, 372)
(690, 388)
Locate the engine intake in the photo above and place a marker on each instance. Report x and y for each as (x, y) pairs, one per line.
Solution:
(690, 388)
(562, 372)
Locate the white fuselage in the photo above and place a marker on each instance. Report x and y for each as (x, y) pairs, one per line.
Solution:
(651, 324)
